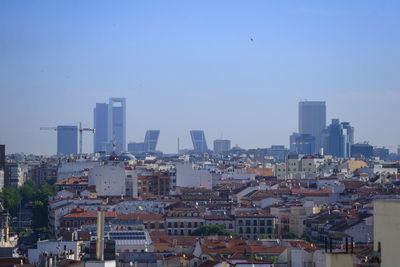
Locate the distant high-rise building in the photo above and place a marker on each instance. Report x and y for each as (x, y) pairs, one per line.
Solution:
(199, 141)
(67, 139)
(136, 148)
(362, 150)
(117, 123)
(150, 140)
(110, 125)
(381, 152)
(350, 133)
(302, 144)
(338, 141)
(312, 120)
(100, 139)
(149, 144)
(222, 146)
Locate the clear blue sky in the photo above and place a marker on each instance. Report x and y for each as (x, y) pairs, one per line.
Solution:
(191, 65)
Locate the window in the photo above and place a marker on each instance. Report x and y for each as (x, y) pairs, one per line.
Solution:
(181, 226)
(230, 226)
(175, 232)
(248, 230)
(262, 223)
(269, 230)
(182, 232)
(169, 225)
(254, 222)
(195, 224)
(169, 232)
(175, 224)
(241, 230)
(161, 225)
(201, 223)
(189, 231)
(262, 230)
(152, 226)
(247, 222)
(190, 224)
(269, 222)
(240, 222)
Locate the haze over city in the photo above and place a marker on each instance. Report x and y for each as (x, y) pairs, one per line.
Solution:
(233, 69)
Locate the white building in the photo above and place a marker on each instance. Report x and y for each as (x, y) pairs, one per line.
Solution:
(188, 175)
(109, 180)
(54, 247)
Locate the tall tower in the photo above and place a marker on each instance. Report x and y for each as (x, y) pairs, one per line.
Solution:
(312, 120)
(338, 142)
(100, 138)
(67, 139)
(150, 140)
(117, 123)
(199, 141)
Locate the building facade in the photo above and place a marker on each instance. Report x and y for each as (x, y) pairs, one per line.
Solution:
(100, 139)
(67, 140)
(199, 141)
(222, 146)
(312, 120)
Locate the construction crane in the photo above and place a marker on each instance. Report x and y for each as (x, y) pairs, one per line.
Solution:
(81, 130)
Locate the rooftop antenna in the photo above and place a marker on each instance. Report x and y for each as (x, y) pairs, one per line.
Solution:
(178, 144)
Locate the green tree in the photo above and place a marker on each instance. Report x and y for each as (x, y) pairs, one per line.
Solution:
(11, 198)
(27, 191)
(212, 229)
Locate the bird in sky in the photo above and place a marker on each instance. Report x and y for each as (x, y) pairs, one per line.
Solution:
(251, 39)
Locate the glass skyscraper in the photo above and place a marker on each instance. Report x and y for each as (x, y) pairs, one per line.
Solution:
(312, 120)
(150, 140)
(100, 139)
(338, 140)
(110, 125)
(199, 141)
(67, 140)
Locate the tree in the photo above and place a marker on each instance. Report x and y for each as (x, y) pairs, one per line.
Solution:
(11, 199)
(212, 229)
(27, 191)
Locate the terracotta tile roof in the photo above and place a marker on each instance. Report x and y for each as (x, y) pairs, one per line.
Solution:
(141, 216)
(72, 181)
(312, 192)
(89, 214)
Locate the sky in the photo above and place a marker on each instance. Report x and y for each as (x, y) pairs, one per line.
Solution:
(236, 69)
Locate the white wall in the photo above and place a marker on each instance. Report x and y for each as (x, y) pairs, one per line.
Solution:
(108, 179)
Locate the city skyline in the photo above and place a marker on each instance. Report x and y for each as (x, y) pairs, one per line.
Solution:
(240, 72)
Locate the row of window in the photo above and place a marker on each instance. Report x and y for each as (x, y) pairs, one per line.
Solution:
(181, 224)
(255, 222)
(261, 230)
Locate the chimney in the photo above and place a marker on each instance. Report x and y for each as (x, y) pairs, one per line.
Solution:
(100, 236)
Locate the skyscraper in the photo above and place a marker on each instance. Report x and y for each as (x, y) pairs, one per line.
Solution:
(350, 134)
(221, 146)
(110, 125)
(199, 141)
(312, 120)
(117, 123)
(302, 144)
(67, 139)
(150, 140)
(338, 141)
(100, 139)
